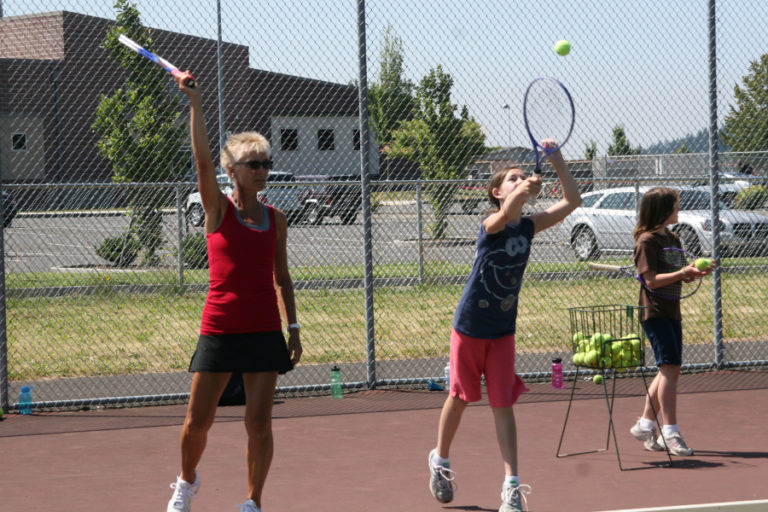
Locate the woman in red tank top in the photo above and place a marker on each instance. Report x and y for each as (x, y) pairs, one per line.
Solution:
(249, 286)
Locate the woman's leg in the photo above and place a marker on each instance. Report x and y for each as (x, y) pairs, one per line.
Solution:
(259, 397)
(665, 395)
(207, 388)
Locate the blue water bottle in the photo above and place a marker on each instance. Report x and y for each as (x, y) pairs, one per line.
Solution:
(336, 382)
(25, 400)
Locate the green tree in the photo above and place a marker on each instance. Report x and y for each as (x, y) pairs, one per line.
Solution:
(746, 125)
(682, 149)
(591, 150)
(442, 142)
(138, 129)
(390, 100)
(620, 145)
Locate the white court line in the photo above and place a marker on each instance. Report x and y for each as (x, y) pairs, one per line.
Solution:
(733, 506)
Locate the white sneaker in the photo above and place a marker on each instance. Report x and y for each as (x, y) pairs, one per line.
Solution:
(183, 492)
(647, 436)
(513, 498)
(249, 506)
(441, 480)
(675, 444)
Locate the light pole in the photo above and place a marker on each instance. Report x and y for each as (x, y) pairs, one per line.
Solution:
(509, 121)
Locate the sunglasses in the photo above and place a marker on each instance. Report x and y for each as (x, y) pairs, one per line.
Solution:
(258, 164)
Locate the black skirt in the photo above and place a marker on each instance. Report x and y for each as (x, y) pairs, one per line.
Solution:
(247, 352)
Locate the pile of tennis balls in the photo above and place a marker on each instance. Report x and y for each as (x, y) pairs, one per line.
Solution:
(602, 350)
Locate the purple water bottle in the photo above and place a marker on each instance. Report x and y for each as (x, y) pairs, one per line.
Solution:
(557, 373)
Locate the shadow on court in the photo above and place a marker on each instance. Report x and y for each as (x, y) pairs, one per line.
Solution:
(368, 451)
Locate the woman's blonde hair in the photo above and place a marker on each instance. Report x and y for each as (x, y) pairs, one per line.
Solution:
(242, 143)
(656, 206)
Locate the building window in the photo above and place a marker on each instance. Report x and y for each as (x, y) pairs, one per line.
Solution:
(325, 140)
(356, 140)
(289, 139)
(19, 141)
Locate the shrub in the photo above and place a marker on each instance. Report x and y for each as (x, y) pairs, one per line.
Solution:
(751, 198)
(120, 251)
(194, 251)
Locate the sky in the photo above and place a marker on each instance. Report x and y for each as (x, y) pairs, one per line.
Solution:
(642, 64)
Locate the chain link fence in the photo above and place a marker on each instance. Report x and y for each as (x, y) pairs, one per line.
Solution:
(103, 256)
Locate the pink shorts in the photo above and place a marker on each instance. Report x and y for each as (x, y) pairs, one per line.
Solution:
(473, 357)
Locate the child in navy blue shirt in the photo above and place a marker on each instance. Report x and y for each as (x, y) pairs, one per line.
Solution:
(483, 334)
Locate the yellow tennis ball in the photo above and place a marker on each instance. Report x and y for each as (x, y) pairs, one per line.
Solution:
(597, 379)
(703, 264)
(563, 47)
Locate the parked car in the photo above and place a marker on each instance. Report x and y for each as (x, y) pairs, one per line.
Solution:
(604, 222)
(10, 208)
(343, 200)
(284, 198)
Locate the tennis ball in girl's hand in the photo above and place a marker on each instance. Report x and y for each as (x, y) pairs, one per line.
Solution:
(563, 47)
(703, 264)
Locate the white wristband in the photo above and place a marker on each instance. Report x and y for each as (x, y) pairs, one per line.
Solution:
(293, 326)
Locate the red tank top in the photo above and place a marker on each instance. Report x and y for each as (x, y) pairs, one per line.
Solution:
(241, 297)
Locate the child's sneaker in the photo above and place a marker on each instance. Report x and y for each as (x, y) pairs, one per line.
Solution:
(513, 498)
(675, 444)
(647, 436)
(183, 492)
(441, 480)
(249, 506)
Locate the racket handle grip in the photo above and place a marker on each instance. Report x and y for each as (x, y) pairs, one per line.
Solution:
(190, 82)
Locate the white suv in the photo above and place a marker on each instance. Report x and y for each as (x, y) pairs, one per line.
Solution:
(604, 222)
(283, 197)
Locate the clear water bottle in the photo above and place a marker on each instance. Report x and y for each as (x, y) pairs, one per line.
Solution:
(336, 382)
(557, 373)
(25, 400)
(447, 376)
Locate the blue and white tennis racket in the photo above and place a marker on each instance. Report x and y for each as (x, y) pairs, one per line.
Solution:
(133, 45)
(549, 114)
(669, 259)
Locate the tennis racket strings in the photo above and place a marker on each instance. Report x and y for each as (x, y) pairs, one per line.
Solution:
(548, 111)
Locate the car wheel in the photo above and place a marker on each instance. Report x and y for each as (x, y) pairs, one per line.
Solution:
(312, 214)
(469, 207)
(584, 244)
(196, 215)
(348, 218)
(689, 240)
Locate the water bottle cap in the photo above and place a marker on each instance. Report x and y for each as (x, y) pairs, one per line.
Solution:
(557, 360)
(25, 389)
(335, 368)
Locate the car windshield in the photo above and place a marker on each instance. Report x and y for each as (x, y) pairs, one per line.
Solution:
(697, 200)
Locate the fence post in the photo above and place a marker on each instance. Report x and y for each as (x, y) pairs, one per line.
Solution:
(714, 169)
(180, 233)
(365, 179)
(420, 227)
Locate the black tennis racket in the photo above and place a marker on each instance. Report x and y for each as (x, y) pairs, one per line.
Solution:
(549, 114)
(670, 259)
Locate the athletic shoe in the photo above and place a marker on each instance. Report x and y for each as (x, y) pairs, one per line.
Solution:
(183, 492)
(249, 506)
(513, 498)
(441, 480)
(647, 436)
(675, 444)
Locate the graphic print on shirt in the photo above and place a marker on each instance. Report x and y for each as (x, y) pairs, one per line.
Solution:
(500, 277)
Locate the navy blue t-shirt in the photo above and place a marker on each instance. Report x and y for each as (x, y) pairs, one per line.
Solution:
(488, 306)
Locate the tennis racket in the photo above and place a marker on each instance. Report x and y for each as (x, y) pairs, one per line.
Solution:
(670, 259)
(549, 114)
(133, 45)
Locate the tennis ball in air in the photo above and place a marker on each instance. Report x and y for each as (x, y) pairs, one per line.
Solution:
(597, 379)
(703, 264)
(563, 47)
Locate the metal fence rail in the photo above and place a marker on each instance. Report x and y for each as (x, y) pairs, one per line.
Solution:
(401, 110)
